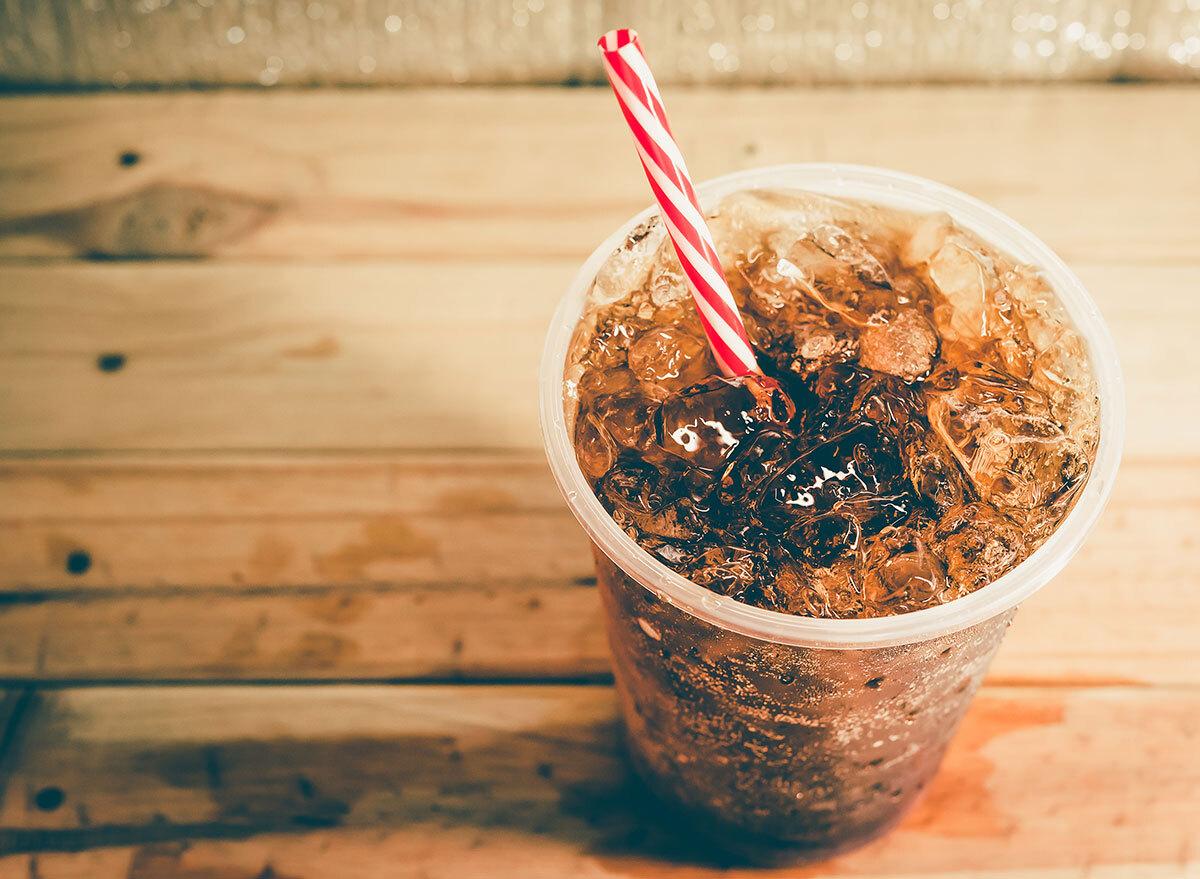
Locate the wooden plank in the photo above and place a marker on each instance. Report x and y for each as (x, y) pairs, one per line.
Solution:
(469, 174)
(269, 521)
(396, 354)
(503, 630)
(280, 567)
(166, 783)
(367, 355)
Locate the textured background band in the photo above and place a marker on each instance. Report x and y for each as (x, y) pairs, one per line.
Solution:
(333, 42)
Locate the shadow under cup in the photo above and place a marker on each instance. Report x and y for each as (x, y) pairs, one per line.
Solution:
(782, 737)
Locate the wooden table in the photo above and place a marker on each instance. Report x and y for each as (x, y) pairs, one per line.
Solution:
(287, 589)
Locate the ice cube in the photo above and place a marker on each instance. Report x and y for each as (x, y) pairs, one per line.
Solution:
(847, 395)
(616, 328)
(628, 268)
(705, 424)
(899, 574)
(935, 473)
(671, 357)
(628, 416)
(1060, 367)
(602, 382)
(887, 401)
(967, 278)
(925, 239)
(1015, 455)
(668, 286)
(594, 448)
(977, 545)
(857, 474)
(729, 570)
(824, 537)
(634, 486)
(676, 521)
(903, 346)
(797, 590)
(641, 498)
(767, 453)
(850, 249)
(830, 285)
(817, 345)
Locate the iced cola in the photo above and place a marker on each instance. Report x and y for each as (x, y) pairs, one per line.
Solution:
(926, 419)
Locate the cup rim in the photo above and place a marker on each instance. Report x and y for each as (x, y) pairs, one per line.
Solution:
(1001, 595)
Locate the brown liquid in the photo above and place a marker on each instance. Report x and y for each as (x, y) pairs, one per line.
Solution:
(925, 420)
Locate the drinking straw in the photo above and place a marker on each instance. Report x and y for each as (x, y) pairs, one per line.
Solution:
(641, 104)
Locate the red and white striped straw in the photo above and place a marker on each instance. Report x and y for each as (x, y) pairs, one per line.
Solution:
(642, 106)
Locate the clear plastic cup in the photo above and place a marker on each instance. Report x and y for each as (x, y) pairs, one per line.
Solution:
(780, 736)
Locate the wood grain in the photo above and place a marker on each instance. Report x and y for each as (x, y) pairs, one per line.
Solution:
(471, 174)
(530, 781)
(365, 355)
(434, 565)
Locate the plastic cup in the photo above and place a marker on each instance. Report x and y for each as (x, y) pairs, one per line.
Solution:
(787, 737)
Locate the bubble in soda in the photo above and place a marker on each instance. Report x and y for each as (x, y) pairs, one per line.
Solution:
(926, 418)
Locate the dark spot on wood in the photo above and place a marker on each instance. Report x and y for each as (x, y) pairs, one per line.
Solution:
(946, 652)
(464, 788)
(456, 646)
(387, 539)
(49, 798)
(545, 770)
(314, 821)
(876, 761)
(305, 787)
(535, 603)
(267, 872)
(78, 562)
(584, 581)
(110, 362)
(874, 683)
(129, 158)
(338, 608)
(212, 767)
(319, 650)
(877, 786)
(750, 148)
(455, 755)
(195, 219)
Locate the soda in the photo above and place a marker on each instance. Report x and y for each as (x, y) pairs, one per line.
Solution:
(926, 419)
(805, 574)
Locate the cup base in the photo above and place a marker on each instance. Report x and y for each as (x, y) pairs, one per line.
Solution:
(708, 838)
